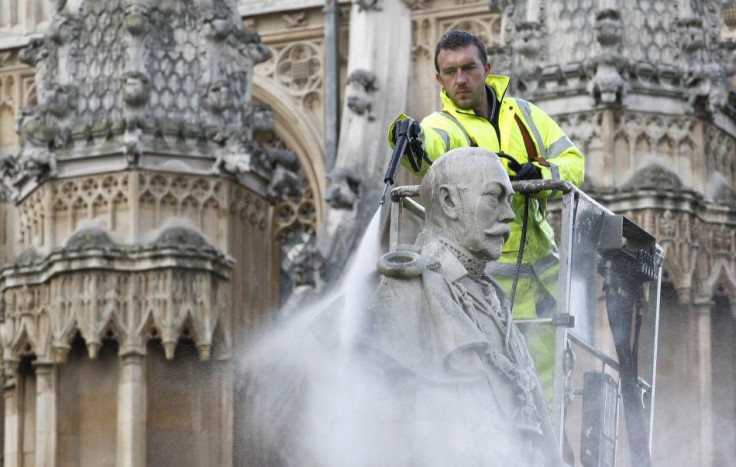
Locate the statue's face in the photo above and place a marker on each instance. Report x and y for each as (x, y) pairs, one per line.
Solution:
(219, 97)
(485, 212)
(135, 90)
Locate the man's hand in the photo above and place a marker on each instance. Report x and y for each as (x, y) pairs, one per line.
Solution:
(528, 171)
(405, 126)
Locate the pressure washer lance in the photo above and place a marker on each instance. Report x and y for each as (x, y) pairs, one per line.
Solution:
(406, 132)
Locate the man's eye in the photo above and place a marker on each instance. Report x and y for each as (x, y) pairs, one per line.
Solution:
(509, 198)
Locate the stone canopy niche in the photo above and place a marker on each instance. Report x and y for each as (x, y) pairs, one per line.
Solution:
(141, 84)
(143, 212)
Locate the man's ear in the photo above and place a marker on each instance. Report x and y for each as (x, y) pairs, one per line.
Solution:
(439, 79)
(449, 201)
(488, 68)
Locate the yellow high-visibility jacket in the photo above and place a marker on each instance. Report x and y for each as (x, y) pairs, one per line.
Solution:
(454, 127)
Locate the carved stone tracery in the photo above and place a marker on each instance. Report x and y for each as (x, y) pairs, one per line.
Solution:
(139, 76)
(115, 302)
(699, 254)
(298, 68)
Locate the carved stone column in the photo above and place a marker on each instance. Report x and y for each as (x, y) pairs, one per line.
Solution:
(45, 414)
(703, 309)
(131, 445)
(227, 421)
(11, 449)
(378, 76)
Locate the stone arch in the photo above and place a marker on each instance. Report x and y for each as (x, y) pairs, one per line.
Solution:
(672, 270)
(685, 154)
(22, 342)
(721, 279)
(191, 208)
(666, 148)
(621, 160)
(642, 147)
(221, 339)
(300, 135)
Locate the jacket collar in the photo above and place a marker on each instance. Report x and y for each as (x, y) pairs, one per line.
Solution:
(498, 83)
(451, 267)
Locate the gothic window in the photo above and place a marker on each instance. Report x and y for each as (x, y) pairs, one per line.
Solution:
(294, 226)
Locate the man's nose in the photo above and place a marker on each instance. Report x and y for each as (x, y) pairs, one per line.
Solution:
(461, 76)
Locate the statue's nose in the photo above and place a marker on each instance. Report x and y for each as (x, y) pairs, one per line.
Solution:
(507, 214)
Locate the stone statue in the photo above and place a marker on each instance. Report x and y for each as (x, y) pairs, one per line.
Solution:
(361, 89)
(420, 366)
(441, 328)
(37, 134)
(609, 82)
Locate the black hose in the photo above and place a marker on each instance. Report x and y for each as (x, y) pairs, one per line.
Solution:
(517, 271)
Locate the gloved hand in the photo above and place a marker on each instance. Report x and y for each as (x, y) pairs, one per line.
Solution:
(405, 126)
(528, 171)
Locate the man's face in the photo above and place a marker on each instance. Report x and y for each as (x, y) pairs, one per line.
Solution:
(486, 211)
(463, 75)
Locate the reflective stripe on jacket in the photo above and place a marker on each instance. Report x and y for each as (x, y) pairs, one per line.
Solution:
(454, 127)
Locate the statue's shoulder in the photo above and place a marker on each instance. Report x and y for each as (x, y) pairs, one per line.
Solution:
(406, 262)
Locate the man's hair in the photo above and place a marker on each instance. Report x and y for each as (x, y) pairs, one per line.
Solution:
(457, 39)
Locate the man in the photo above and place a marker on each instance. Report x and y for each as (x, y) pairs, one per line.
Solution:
(476, 112)
(440, 329)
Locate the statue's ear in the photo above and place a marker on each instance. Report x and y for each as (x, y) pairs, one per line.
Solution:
(449, 202)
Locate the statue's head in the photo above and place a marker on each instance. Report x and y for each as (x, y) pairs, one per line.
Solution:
(467, 197)
(135, 88)
(218, 97)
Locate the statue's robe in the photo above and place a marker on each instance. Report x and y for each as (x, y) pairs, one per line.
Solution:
(464, 379)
